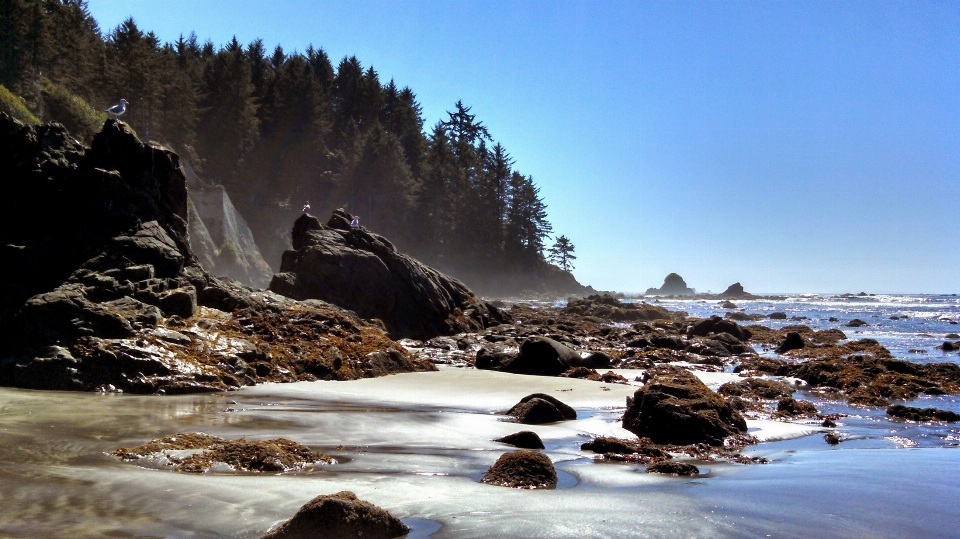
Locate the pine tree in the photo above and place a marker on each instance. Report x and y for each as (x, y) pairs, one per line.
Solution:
(562, 253)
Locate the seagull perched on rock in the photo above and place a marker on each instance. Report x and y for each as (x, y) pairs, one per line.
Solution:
(306, 207)
(356, 222)
(117, 110)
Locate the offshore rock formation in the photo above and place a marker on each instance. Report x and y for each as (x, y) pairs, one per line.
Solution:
(673, 285)
(100, 290)
(736, 291)
(363, 272)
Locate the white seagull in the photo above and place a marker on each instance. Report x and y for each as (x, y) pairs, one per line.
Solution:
(117, 110)
(356, 222)
(306, 207)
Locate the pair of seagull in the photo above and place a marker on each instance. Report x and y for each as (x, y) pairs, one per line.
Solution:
(353, 224)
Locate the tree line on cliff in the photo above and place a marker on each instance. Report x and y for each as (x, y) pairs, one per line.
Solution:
(277, 129)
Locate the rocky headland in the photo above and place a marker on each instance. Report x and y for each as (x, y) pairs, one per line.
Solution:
(100, 289)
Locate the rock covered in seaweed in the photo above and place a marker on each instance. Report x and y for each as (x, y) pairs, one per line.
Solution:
(675, 407)
(361, 271)
(276, 455)
(522, 469)
(340, 516)
(100, 290)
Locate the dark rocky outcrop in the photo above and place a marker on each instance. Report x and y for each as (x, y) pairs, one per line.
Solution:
(670, 467)
(340, 516)
(922, 414)
(675, 407)
(856, 323)
(522, 469)
(524, 439)
(100, 290)
(673, 285)
(611, 308)
(539, 408)
(778, 316)
(361, 271)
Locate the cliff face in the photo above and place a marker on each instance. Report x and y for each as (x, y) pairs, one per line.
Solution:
(220, 237)
(235, 253)
(100, 289)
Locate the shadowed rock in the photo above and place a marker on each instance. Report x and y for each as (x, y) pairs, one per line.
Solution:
(671, 467)
(922, 414)
(565, 412)
(524, 439)
(361, 271)
(793, 341)
(544, 357)
(340, 516)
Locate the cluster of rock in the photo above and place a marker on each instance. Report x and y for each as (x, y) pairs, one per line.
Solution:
(100, 289)
(364, 272)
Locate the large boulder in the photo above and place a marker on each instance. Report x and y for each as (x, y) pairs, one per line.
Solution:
(673, 285)
(340, 516)
(543, 356)
(100, 289)
(675, 407)
(363, 272)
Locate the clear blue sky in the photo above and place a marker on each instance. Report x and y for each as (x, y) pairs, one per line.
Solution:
(792, 146)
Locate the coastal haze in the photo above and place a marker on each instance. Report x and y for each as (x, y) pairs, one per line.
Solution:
(794, 147)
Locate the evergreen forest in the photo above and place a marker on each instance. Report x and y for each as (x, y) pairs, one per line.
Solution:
(277, 129)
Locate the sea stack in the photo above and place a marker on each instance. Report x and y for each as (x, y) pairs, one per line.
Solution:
(673, 285)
